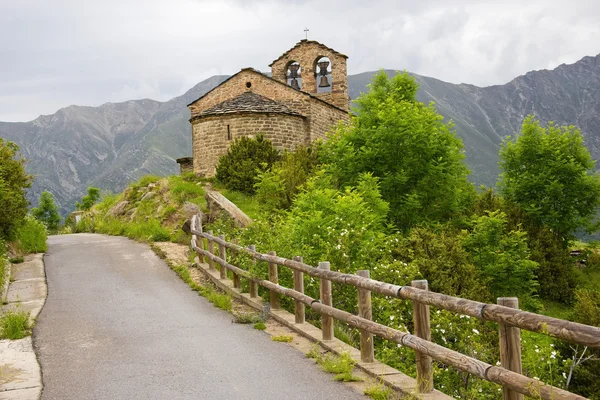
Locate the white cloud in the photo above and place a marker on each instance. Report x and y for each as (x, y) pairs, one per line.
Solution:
(89, 52)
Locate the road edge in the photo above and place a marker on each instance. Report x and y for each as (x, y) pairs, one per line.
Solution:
(19, 356)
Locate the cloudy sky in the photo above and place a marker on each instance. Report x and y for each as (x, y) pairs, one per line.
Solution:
(54, 53)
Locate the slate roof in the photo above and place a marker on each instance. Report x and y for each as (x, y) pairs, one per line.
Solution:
(249, 102)
(261, 75)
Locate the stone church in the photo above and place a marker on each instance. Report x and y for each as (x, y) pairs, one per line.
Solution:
(306, 95)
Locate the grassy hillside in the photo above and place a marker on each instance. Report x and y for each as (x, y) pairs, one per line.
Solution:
(154, 209)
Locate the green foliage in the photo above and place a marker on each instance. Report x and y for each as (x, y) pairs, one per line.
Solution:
(378, 391)
(586, 309)
(14, 325)
(277, 188)
(217, 298)
(182, 190)
(438, 255)
(245, 160)
(13, 183)
(246, 317)
(147, 230)
(16, 260)
(148, 179)
(548, 172)
(32, 235)
(405, 144)
(47, 212)
(248, 204)
(555, 273)
(346, 334)
(89, 200)
(342, 366)
(503, 258)
(260, 326)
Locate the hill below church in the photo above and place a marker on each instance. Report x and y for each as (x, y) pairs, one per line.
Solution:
(116, 143)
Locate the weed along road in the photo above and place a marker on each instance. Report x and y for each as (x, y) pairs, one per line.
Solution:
(119, 324)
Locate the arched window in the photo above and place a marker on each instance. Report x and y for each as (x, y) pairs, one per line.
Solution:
(322, 70)
(294, 75)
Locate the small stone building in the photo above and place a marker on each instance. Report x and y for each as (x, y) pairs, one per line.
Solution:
(305, 97)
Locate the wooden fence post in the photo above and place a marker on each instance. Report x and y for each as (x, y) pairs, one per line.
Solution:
(201, 244)
(222, 256)
(367, 350)
(273, 277)
(211, 250)
(299, 287)
(510, 347)
(236, 277)
(253, 285)
(422, 330)
(326, 320)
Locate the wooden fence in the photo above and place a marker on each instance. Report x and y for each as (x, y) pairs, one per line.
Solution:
(506, 313)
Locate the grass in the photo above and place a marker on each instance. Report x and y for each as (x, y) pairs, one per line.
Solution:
(282, 338)
(16, 260)
(182, 190)
(246, 318)
(342, 365)
(378, 391)
(14, 325)
(248, 204)
(32, 235)
(260, 326)
(345, 334)
(218, 299)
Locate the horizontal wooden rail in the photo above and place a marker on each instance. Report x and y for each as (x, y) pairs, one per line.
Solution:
(566, 330)
(517, 382)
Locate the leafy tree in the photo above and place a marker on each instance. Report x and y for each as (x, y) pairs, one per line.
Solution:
(548, 172)
(13, 182)
(245, 160)
(47, 212)
(504, 258)
(405, 144)
(440, 257)
(88, 201)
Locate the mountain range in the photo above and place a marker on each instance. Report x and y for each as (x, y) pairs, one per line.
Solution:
(113, 144)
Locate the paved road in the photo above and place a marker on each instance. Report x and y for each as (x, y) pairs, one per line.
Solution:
(119, 324)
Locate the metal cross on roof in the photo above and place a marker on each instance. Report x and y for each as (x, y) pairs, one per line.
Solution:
(306, 32)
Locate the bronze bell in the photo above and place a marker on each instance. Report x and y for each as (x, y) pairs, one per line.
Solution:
(324, 81)
(294, 84)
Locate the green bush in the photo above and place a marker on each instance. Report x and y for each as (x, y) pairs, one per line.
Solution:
(14, 325)
(245, 160)
(13, 183)
(32, 235)
(276, 189)
(89, 200)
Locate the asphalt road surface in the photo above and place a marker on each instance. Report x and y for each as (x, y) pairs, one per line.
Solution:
(119, 324)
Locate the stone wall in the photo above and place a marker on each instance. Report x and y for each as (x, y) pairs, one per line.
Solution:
(320, 116)
(211, 140)
(186, 164)
(307, 53)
